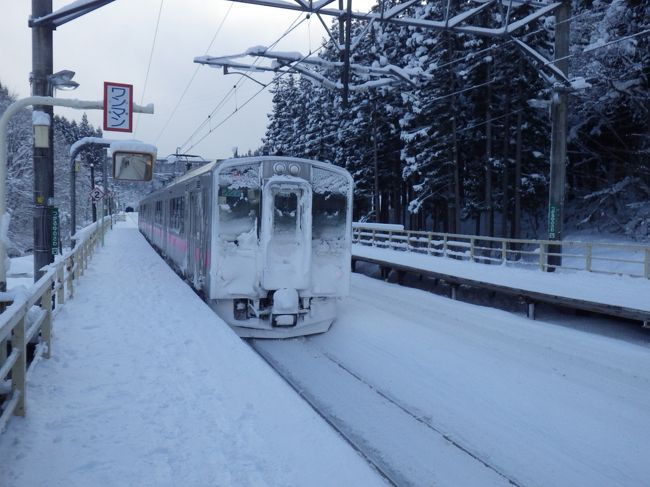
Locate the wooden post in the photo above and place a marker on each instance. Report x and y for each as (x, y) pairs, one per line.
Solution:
(71, 276)
(444, 246)
(82, 258)
(588, 258)
(542, 257)
(504, 251)
(46, 328)
(78, 259)
(3, 353)
(390, 239)
(647, 263)
(454, 291)
(60, 282)
(471, 249)
(374, 243)
(429, 244)
(19, 369)
(530, 310)
(400, 276)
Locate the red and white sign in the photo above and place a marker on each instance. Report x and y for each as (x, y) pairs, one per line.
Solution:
(118, 107)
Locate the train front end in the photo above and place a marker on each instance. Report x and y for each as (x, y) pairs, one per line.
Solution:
(281, 245)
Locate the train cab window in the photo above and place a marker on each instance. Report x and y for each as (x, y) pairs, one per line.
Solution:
(329, 216)
(329, 205)
(238, 211)
(285, 213)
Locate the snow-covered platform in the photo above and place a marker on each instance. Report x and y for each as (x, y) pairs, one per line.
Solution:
(609, 294)
(147, 386)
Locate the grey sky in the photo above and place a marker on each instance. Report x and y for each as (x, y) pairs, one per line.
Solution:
(114, 43)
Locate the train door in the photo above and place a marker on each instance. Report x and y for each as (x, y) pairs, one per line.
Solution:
(194, 238)
(286, 234)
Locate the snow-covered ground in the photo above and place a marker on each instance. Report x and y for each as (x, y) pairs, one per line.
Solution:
(448, 393)
(147, 387)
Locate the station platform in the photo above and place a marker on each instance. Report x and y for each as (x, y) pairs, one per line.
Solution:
(146, 386)
(615, 295)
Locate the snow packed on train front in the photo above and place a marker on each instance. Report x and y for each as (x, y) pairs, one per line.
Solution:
(265, 240)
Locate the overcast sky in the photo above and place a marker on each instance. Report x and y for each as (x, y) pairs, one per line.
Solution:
(114, 43)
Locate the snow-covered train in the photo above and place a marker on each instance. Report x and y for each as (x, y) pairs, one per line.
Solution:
(265, 240)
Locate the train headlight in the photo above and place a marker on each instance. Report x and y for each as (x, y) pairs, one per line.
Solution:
(294, 169)
(279, 168)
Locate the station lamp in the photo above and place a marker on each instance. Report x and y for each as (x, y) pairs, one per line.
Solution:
(62, 80)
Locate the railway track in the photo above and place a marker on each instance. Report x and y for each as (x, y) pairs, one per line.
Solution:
(379, 466)
(371, 453)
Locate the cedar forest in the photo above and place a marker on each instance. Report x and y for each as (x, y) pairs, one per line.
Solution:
(465, 150)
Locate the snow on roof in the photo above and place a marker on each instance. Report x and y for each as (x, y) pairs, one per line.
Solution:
(88, 140)
(256, 50)
(133, 146)
(194, 172)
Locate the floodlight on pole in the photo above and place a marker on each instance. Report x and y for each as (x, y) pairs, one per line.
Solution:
(62, 80)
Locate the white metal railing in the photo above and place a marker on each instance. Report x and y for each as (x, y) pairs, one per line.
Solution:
(28, 317)
(606, 258)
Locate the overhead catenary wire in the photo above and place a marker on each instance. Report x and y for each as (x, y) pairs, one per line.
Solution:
(275, 78)
(191, 80)
(490, 48)
(153, 46)
(239, 82)
(459, 60)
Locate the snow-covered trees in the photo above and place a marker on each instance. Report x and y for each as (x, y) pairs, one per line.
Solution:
(466, 148)
(20, 174)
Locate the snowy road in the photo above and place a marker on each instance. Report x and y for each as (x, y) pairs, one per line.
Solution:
(439, 392)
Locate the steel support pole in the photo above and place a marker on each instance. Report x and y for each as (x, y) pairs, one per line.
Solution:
(559, 110)
(42, 63)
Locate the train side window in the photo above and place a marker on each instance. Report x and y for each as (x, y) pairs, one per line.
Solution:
(158, 215)
(181, 215)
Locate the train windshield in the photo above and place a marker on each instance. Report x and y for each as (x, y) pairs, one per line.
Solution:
(239, 201)
(285, 218)
(329, 205)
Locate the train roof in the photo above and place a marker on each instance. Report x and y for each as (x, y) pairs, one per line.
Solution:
(194, 172)
(206, 168)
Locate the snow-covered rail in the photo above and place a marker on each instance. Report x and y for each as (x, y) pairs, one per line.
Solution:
(28, 318)
(363, 450)
(606, 258)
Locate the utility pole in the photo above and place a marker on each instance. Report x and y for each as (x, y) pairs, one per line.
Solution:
(42, 64)
(558, 137)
